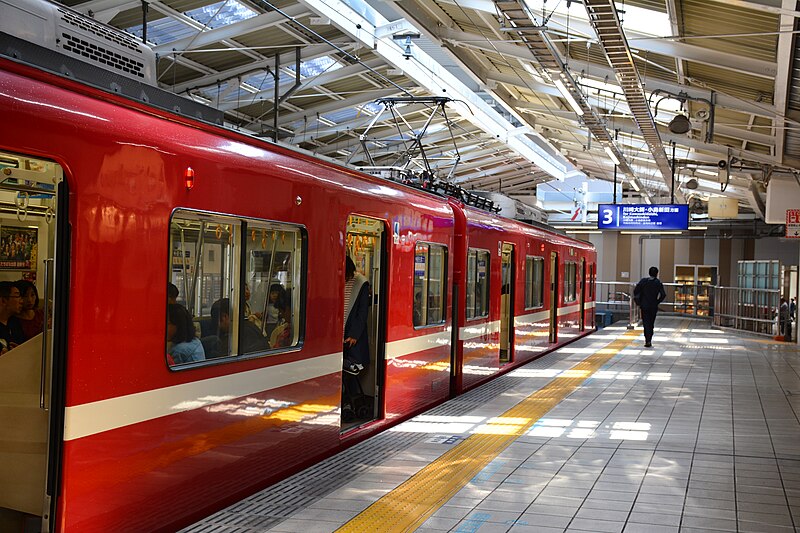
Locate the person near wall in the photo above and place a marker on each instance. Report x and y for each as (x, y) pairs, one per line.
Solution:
(784, 323)
(647, 294)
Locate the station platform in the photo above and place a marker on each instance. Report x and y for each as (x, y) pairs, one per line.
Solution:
(698, 433)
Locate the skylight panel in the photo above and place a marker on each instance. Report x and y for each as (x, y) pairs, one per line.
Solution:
(163, 31)
(372, 108)
(221, 13)
(168, 29)
(638, 19)
(315, 67)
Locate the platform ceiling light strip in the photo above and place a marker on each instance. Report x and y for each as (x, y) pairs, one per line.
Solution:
(412, 503)
(612, 155)
(436, 79)
(569, 98)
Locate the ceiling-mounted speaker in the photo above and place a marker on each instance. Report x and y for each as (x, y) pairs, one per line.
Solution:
(691, 183)
(679, 124)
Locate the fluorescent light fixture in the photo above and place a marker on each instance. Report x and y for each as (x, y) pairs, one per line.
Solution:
(568, 97)
(698, 227)
(651, 232)
(635, 186)
(613, 156)
(579, 231)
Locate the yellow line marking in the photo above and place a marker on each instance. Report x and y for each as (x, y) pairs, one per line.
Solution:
(409, 505)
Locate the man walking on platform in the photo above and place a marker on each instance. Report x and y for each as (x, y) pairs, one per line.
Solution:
(649, 292)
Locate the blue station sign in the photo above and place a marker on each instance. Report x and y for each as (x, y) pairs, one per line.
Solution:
(643, 217)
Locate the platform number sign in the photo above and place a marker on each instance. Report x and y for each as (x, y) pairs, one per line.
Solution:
(793, 223)
(643, 217)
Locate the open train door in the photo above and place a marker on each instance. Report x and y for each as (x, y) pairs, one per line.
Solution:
(34, 245)
(582, 318)
(366, 246)
(553, 296)
(506, 303)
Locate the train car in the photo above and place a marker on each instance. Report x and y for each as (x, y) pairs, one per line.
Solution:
(105, 200)
(522, 290)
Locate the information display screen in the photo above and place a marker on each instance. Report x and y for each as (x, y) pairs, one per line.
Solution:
(643, 217)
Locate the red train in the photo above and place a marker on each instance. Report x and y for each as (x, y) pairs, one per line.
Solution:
(103, 432)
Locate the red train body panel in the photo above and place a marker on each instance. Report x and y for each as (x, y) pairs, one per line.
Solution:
(146, 447)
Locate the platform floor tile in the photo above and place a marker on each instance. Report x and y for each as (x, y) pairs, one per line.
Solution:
(698, 433)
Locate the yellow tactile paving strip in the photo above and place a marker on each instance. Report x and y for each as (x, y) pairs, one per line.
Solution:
(412, 503)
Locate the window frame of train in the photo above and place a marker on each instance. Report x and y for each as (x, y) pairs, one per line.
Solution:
(570, 281)
(531, 284)
(231, 236)
(477, 299)
(422, 282)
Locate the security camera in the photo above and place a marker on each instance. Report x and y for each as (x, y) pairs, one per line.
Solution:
(722, 164)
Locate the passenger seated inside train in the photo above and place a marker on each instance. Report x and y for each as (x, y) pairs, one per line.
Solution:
(277, 300)
(31, 316)
(282, 333)
(219, 345)
(249, 314)
(11, 334)
(172, 293)
(183, 345)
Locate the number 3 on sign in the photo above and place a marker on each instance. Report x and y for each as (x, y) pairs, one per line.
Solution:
(607, 216)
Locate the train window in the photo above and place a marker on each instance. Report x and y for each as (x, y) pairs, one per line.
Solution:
(273, 269)
(430, 271)
(477, 283)
(534, 282)
(216, 313)
(570, 281)
(204, 252)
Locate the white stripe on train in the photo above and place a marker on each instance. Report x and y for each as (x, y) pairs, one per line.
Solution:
(104, 415)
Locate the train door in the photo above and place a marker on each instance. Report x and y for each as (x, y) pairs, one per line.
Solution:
(583, 294)
(34, 241)
(506, 302)
(553, 296)
(362, 397)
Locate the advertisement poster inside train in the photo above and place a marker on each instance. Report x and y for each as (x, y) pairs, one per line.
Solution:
(18, 248)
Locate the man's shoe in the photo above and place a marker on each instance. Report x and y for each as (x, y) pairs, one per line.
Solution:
(648, 345)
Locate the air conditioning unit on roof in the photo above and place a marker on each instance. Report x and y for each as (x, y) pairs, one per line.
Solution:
(63, 30)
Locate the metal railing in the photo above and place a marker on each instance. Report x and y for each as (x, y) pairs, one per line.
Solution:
(753, 310)
(616, 297)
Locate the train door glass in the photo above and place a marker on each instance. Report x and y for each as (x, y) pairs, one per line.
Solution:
(553, 296)
(507, 303)
(32, 228)
(361, 400)
(583, 294)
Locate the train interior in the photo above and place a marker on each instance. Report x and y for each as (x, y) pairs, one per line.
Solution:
(28, 204)
(554, 280)
(205, 267)
(506, 301)
(365, 245)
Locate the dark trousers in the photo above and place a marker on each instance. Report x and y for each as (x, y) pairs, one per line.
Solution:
(649, 322)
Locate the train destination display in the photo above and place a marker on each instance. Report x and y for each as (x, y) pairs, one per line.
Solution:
(643, 217)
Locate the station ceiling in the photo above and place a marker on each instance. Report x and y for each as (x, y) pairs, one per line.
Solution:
(536, 90)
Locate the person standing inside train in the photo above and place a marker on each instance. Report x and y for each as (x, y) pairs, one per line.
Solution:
(356, 306)
(647, 294)
(11, 334)
(31, 316)
(356, 339)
